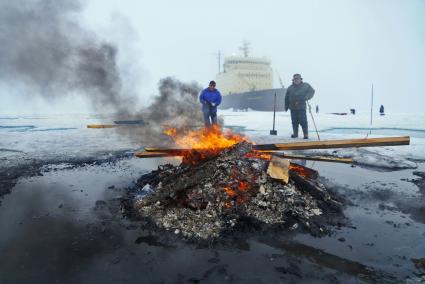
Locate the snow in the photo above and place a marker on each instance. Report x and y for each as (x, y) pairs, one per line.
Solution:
(258, 125)
(55, 137)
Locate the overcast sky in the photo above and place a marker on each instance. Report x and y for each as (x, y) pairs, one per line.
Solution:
(340, 47)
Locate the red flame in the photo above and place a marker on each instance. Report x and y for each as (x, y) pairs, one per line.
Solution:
(243, 186)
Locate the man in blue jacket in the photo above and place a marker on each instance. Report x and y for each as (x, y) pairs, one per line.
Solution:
(210, 98)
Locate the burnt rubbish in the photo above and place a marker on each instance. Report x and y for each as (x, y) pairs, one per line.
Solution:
(232, 192)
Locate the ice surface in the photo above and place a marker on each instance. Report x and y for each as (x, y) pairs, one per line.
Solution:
(60, 137)
(258, 124)
(56, 137)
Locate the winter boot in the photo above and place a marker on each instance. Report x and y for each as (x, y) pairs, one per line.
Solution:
(305, 130)
(295, 131)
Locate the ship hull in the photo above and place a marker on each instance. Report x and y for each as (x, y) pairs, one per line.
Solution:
(256, 100)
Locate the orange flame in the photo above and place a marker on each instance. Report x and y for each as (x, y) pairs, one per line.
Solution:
(302, 171)
(205, 138)
(170, 132)
(230, 192)
(258, 155)
(239, 187)
(206, 142)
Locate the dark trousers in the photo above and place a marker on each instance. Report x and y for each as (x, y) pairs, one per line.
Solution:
(299, 117)
(210, 116)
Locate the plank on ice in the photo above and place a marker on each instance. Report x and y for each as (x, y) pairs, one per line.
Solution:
(329, 144)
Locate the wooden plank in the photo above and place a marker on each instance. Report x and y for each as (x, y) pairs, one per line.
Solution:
(331, 144)
(303, 171)
(130, 122)
(313, 158)
(145, 154)
(175, 150)
(102, 125)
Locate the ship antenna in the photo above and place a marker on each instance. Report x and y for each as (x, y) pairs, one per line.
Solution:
(245, 48)
(219, 60)
(218, 55)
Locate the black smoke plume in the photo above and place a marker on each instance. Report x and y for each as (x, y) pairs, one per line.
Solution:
(176, 106)
(45, 50)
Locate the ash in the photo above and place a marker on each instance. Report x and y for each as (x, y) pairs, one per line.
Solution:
(232, 193)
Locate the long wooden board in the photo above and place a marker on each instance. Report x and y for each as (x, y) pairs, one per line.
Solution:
(174, 150)
(329, 144)
(102, 125)
(316, 158)
(145, 154)
(332, 144)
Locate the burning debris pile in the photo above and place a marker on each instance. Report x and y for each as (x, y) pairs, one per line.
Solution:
(212, 193)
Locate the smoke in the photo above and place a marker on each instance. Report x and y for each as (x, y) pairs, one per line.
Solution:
(45, 51)
(176, 106)
(176, 103)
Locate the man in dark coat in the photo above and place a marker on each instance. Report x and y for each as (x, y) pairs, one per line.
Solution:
(295, 99)
(210, 98)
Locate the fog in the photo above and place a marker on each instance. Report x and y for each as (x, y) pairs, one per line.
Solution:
(340, 47)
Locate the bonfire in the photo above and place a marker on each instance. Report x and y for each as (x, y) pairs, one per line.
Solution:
(224, 185)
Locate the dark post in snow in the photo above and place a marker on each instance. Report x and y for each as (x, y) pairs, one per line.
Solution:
(371, 112)
(274, 132)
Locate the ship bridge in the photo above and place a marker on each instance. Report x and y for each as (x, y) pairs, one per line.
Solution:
(243, 73)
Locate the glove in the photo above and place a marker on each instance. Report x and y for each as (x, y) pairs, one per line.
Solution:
(213, 104)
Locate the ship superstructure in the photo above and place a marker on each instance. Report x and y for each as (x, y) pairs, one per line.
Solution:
(245, 73)
(246, 82)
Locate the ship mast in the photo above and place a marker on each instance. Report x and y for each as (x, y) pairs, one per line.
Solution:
(218, 55)
(219, 60)
(245, 48)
